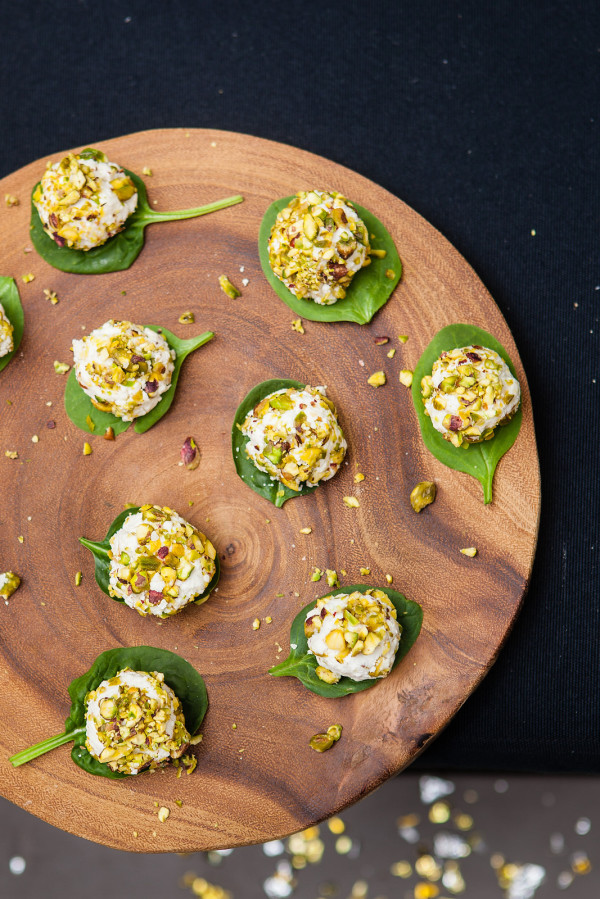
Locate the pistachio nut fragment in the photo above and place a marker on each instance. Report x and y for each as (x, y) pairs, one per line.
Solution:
(470, 551)
(190, 454)
(321, 742)
(422, 495)
(335, 732)
(351, 502)
(406, 377)
(61, 368)
(377, 379)
(9, 582)
(228, 288)
(186, 318)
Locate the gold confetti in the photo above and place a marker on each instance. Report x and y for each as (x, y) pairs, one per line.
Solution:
(336, 825)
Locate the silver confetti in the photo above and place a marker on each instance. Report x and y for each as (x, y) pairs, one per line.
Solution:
(450, 845)
(434, 788)
(525, 882)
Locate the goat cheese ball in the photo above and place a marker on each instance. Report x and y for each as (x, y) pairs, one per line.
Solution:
(123, 368)
(317, 244)
(470, 391)
(134, 721)
(84, 199)
(353, 635)
(9, 582)
(6, 334)
(159, 562)
(295, 437)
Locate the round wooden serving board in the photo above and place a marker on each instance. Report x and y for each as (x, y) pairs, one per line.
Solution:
(259, 780)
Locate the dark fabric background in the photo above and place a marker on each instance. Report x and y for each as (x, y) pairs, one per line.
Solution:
(486, 122)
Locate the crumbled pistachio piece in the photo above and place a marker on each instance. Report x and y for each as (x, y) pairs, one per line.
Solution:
(87, 450)
(335, 732)
(365, 571)
(379, 254)
(187, 318)
(179, 803)
(389, 578)
(351, 502)
(163, 814)
(228, 288)
(406, 377)
(27, 279)
(268, 619)
(51, 295)
(358, 477)
(11, 200)
(321, 742)
(190, 454)
(256, 624)
(20, 538)
(390, 273)
(403, 338)
(306, 530)
(9, 582)
(298, 326)
(391, 353)
(422, 495)
(332, 578)
(377, 379)
(147, 171)
(11, 454)
(78, 578)
(189, 763)
(470, 551)
(61, 368)
(316, 575)
(109, 434)
(381, 341)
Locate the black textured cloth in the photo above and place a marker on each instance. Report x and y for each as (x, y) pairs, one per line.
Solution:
(485, 119)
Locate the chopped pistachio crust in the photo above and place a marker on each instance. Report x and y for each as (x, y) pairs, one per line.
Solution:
(317, 245)
(123, 368)
(83, 200)
(295, 437)
(135, 721)
(159, 562)
(9, 582)
(470, 391)
(353, 635)
(6, 334)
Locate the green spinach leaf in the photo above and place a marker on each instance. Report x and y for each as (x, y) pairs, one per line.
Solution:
(120, 251)
(479, 459)
(260, 481)
(101, 549)
(11, 303)
(369, 290)
(183, 679)
(302, 664)
(79, 406)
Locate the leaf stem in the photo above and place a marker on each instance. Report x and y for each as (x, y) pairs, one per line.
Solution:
(27, 755)
(96, 548)
(153, 216)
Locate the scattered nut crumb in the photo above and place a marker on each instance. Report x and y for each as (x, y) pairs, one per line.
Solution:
(365, 571)
(316, 575)
(11, 200)
(391, 353)
(163, 814)
(470, 551)
(358, 477)
(27, 279)
(380, 341)
(306, 530)
(179, 803)
(406, 377)
(11, 454)
(351, 502)
(422, 495)
(87, 450)
(78, 578)
(51, 295)
(332, 578)
(298, 326)
(21, 539)
(268, 619)
(187, 318)
(190, 454)
(377, 379)
(61, 368)
(35, 439)
(228, 288)
(256, 624)
(403, 338)
(51, 424)
(389, 578)
(147, 171)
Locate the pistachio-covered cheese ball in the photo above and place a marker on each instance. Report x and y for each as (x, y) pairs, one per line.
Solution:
(123, 368)
(159, 562)
(295, 437)
(470, 391)
(84, 199)
(353, 635)
(317, 244)
(6, 334)
(134, 721)
(9, 583)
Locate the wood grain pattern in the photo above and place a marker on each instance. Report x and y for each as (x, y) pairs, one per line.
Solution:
(261, 780)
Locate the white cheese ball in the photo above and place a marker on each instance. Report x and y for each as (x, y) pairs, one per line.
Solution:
(6, 334)
(83, 201)
(470, 391)
(160, 563)
(353, 635)
(295, 437)
(134, 721)
(123, 368)
(317, 244)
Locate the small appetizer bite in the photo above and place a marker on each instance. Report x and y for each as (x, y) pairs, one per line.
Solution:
(353, 635)
(84, 199)
(155, 561)
(123, 368)
(470, 391)
(6, 334)
(350, 639)
(134, 721)
(295, 437)
(136, 709)
(9, 583)
(317, 245)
